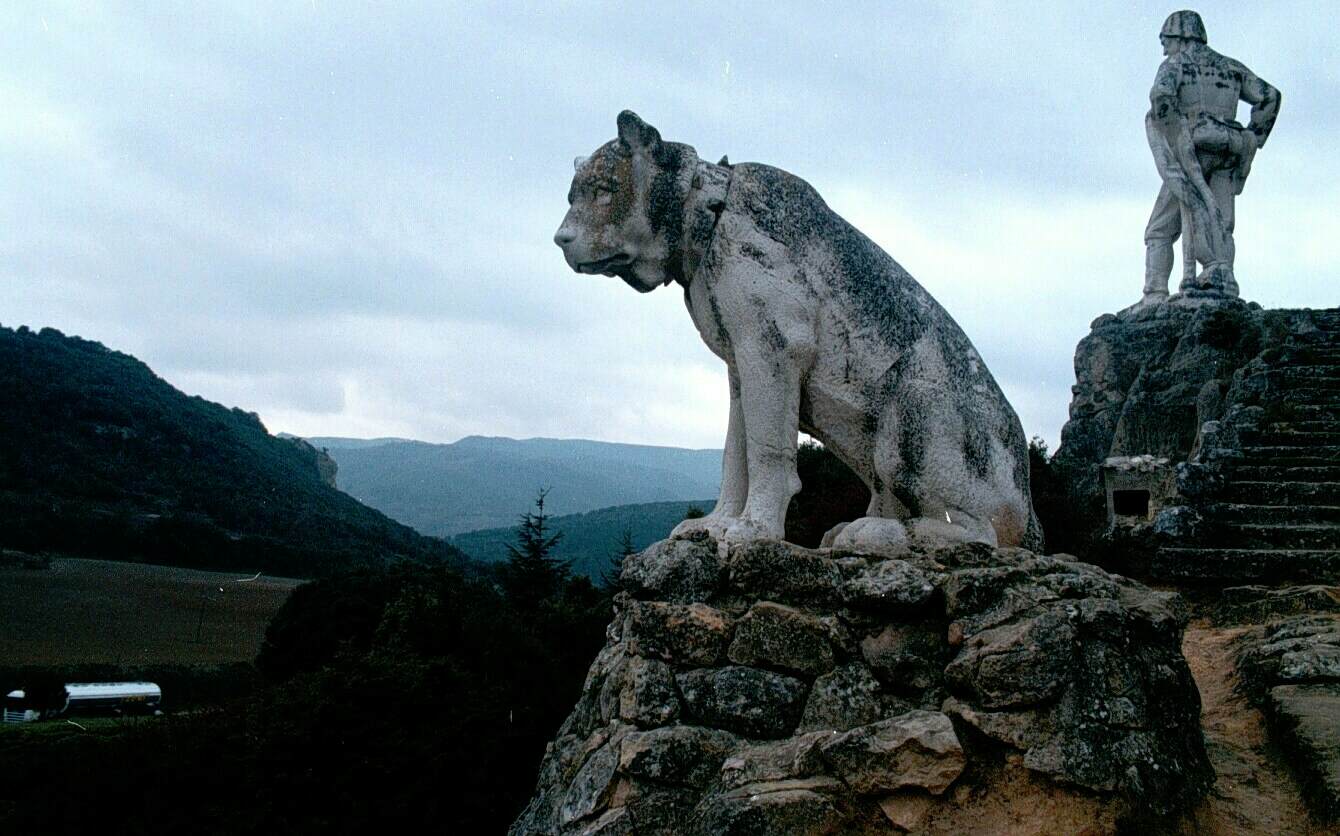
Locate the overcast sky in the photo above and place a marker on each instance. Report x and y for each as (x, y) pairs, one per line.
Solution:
(339, 215)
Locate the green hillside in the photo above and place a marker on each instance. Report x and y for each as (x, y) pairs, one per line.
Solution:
(99, 457)
(591, 538)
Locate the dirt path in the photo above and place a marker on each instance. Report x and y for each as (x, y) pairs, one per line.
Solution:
(1254, 792)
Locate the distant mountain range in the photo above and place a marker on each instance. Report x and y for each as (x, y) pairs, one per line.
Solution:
(481, 483)
(100, 457)
(589, 539)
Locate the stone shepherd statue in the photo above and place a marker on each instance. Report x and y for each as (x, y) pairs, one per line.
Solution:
(1203, 155)
(820, 331)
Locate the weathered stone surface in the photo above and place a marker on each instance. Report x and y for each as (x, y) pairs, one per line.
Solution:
(590, 789)
(781, 572)
(973, 589)
(748, 701)
(777, 807)
(916, 749)
(648, 697)
(1314, 664)
(1306, 719)
(868, 347)
(686, 755)
(1226, 392)
(689, 634)
(617, 822)
(776, 636)
(1300, 650)
(1022, 730)
(656, 809)
(842, 699)
(681, 570)
(1257, 603)
(1291, 669)
(908, 659)
(1076, 673)
(906, 811)
(894, 588)
(1015, 665)
(795, 757)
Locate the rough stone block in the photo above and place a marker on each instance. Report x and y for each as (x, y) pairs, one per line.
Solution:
(908, 659)
(777, 807)
(1017, 664)
(590, 790)
(894, 588)
(776, 636)
(795, 757)
(747, 701)
(782, 572)
(916, 749)
(686, 755)
(682, 570)
(687, 634)
(648, 697)
(842, 699)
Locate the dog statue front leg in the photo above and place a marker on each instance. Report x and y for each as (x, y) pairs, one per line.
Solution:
(734, 474)
(770, 403)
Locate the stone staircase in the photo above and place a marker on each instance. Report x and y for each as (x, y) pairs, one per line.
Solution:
(1266, 486)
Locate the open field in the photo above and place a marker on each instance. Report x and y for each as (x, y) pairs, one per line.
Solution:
(99, 611)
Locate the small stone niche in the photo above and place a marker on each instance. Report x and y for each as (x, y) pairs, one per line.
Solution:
(1137, 487)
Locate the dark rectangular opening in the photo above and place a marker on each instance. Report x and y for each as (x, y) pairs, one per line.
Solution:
(1130, 503)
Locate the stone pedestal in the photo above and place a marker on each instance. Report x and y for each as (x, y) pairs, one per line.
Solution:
(767, 688)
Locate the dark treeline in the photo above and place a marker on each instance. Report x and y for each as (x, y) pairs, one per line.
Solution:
(385, 698)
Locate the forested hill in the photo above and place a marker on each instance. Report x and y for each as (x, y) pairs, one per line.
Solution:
(589, 539)
(100, 457)
(480, 482)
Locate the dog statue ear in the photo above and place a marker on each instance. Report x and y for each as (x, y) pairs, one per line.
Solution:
(578, 162)
(637, 135)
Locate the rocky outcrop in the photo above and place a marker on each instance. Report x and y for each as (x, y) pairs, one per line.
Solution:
(767, 688)
(1238, 405)
(1291, 669)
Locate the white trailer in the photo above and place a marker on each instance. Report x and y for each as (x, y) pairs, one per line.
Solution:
(87, 698)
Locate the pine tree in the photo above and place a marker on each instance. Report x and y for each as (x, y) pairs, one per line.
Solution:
(532, 575)
(624, 549)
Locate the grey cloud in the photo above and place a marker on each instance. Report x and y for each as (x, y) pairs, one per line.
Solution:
(340, 216)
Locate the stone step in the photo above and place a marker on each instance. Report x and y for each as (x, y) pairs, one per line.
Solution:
(1215, 566)
(1272, 514)
(1296, 370)
(1303, 425)
(1302, 391)
(1235, 535)
(1286, 473)
(1322, 413)
(1292, 438)
(1292, 376)
(1290, 454)
(1303, 353)
(1281, 493)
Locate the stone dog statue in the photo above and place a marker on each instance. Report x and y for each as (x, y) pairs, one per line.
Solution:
(821, 331)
